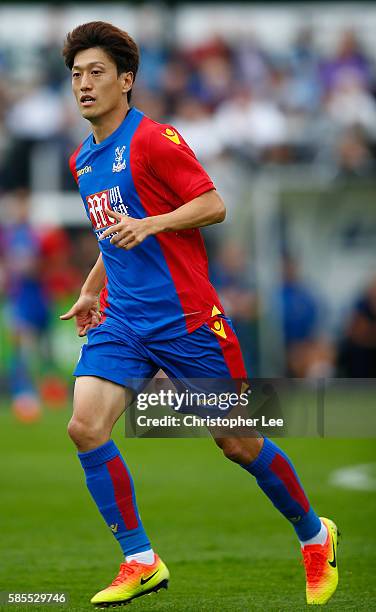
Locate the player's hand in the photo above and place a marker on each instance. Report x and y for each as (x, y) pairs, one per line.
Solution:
(129, 231)
(86, 313)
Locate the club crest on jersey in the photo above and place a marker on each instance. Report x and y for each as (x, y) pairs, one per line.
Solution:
(119, 164)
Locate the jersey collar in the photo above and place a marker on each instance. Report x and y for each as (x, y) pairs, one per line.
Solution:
(112, 137)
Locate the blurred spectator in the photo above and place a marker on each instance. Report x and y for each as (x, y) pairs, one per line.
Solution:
(357, 351)
(195, 123)
(36, 116)
(213, 81)
(251, 62)
(348, 59)
(354, 155)
(230, 276)
(307, 353)
(37, 271)
(174, 81)
(301, 90)
(311, 359)
(152, 42)
(27, 303)
(59, 277)
(49, 51)
(85, 251)
(300, 307)
(212, 76)
(252, 125)
(350, 104)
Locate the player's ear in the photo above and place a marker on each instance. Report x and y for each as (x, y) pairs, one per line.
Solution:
(126, 81)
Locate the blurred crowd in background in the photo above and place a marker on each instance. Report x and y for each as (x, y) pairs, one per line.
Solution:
(297, 106)
(243, 107)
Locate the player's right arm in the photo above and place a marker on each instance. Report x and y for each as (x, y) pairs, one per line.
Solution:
(85, 310)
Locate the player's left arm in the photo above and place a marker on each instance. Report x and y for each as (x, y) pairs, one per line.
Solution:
(173, 163)
(206, 209)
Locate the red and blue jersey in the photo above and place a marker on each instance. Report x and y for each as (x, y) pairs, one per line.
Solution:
(161, 287)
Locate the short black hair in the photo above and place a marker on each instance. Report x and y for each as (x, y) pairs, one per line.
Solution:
(118, 45)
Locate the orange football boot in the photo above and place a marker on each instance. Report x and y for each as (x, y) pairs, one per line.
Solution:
(133, 580)
(321, 566)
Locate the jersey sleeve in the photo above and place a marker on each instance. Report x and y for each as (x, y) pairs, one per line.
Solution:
(73, 163)
(174, 164)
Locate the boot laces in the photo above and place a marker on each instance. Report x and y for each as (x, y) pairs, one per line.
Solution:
(126, 569)
(314, 561)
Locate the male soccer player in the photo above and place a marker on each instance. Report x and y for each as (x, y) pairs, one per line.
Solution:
(146, 195)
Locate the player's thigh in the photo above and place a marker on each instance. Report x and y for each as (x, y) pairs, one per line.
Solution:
(112, 361)
(98, 403)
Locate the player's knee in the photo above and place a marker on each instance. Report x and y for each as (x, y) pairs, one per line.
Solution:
(231, 449)
(242, 451)
(86, 435)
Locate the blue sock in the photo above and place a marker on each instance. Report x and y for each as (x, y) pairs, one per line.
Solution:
(111, 487)
(276, 476)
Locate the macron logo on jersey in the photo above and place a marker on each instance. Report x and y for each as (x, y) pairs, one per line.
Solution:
(171, 135)
(97, 204)
(84, 170)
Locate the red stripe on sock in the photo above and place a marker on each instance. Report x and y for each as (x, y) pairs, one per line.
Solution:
(283, 470)
(123, 492)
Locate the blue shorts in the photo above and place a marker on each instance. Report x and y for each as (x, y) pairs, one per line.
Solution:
(117, 354)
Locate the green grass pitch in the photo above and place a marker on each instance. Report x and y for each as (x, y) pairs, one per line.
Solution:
(225, 545)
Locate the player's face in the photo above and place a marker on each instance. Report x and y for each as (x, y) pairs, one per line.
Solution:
(98, 89)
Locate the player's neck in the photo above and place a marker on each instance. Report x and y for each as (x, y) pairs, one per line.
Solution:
(104, 126)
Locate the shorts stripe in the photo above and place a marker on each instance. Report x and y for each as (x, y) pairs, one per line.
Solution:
(231, 351)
